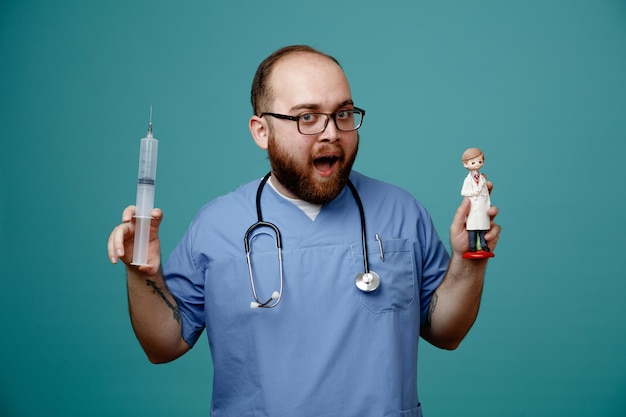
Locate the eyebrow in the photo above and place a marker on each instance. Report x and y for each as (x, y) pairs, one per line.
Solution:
(317, 107)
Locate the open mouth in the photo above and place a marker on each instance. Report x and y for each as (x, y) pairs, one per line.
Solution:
(324, 165)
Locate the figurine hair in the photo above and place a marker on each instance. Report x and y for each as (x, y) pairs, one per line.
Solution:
(472, 153)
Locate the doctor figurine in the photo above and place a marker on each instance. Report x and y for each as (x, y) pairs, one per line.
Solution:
(475, 188)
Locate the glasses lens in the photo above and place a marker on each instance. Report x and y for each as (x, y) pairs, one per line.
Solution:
(314, 123)
(348, 120)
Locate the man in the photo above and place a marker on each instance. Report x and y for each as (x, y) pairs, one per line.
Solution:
(319, 346)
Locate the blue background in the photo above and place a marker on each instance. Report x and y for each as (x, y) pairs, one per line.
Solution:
(540, 86)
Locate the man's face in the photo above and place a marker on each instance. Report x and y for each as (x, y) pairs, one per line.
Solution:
(474, 164)
(314, 168)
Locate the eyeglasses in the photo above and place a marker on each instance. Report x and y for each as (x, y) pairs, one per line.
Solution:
(315, 123)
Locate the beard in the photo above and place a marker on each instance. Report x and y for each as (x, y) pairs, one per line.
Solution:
(299, 177)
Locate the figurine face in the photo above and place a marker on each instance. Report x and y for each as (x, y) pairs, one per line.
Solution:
(474, 164)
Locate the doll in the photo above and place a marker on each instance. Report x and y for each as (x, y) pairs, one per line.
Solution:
(475, 188)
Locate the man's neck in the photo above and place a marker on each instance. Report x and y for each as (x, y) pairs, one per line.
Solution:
(310, 209)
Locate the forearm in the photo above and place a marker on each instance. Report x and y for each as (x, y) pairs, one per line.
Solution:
(454, 306)
(155, 316)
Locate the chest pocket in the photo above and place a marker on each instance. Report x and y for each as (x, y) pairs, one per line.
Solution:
(397, 275)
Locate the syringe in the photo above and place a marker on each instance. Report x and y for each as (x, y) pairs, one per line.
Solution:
(145, 195)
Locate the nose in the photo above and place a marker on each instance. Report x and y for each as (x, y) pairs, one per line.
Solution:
(331, 133)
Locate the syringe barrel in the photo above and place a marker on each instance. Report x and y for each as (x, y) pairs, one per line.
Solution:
(146, 176)
(146, 180)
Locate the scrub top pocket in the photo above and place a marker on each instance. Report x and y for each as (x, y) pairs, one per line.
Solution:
(397, 275)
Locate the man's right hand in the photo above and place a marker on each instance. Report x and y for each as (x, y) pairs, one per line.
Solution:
(122, 238)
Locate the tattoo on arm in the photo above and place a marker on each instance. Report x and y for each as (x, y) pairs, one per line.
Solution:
(158, 291)
(433, 305)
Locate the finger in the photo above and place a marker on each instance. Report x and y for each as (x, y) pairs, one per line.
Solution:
(128, 213)
(493, 236)
(120, 235)
(458, 232)
(113, 246)
(157, 217)
(461, 212)
(493, 212)
(494, 232)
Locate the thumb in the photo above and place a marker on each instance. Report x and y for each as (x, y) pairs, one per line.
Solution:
(458, 221)
(157, 218)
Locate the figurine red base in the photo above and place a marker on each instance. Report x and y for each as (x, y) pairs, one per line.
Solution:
(479, 254)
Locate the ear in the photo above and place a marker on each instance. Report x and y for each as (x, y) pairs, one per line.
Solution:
(259, 130)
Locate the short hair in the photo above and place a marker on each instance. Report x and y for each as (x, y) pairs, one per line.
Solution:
(261, 93)
(472, 153)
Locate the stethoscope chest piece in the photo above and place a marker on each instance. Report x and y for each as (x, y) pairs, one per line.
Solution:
(367, 281)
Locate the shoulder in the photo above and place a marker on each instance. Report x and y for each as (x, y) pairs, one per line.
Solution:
(376, 189)
(237, 204)
(366, 185)
(387, 197)
(395, 211)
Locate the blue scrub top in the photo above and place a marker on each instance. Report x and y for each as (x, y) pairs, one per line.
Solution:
(328, 348)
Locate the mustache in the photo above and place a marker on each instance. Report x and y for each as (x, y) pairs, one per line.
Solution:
(329, 150)
(334, 148)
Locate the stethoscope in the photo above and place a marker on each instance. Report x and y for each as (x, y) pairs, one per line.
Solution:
(366, 281)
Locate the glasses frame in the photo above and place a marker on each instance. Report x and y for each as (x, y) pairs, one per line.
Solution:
(328, 117)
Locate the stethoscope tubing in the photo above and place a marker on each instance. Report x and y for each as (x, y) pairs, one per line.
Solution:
(261, 223)
(362, 216)
(277, 296)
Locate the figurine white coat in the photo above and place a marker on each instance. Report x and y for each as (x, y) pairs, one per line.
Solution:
(475, 187)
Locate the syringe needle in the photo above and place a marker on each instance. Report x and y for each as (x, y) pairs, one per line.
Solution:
(150, 124)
